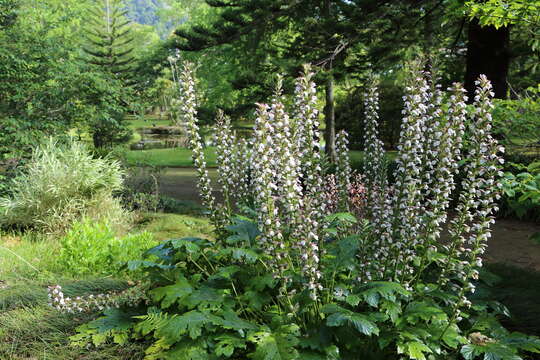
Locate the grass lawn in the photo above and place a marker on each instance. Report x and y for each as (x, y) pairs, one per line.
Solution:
(149, 121)
(175, 157)
(180, 157)
(29, 327)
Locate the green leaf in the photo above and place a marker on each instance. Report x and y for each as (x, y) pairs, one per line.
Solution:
(170, 294)
(353, 300)
(188, 244)
(190, 323)
(342, 317)
(392, 309)
(250, 256)
(204, 297)
(260, 283)
(244, 231)
(342, 217)
(228, 343)
(536, 237)
(113, 319)
(233, 322)
(188, 350)
(147, 265)
(226, 272)
(415, 350)
(255, 299)
(275, 346)
(468, 352)
(387, 290)
(523, 342)
(421, 310)
(452, 337)
(491, 351)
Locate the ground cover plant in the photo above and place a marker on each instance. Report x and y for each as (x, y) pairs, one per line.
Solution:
(293, 278)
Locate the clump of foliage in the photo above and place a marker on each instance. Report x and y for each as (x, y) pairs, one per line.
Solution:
(517, 121)
(294, 279)
(522, 190)
(93, 248)
(141, 188)
(61, 184)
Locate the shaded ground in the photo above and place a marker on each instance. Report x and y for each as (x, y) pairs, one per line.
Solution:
(510, 244)
(181, 183)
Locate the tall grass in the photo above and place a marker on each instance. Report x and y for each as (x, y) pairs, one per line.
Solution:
(61, 184)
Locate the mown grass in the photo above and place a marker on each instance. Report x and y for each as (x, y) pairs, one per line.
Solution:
(175, 157)
(180, 157)
(29, 328)
(168, 226)
(40, 332)
(148, 121)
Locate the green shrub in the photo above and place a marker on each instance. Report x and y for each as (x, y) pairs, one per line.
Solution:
(522, 191)
(212, 302)
(517, 121)
(61, 184)
(93, 248)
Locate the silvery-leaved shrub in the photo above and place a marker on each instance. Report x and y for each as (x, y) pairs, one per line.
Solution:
(60, 184)
(297, 276)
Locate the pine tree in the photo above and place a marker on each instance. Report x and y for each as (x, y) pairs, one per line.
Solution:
(109, 38)
(108, 50)
(7, 13)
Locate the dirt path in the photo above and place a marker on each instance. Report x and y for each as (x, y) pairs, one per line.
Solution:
(509, 244)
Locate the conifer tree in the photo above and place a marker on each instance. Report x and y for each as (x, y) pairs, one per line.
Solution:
(7, 13)
(109, 51)
(109, 38)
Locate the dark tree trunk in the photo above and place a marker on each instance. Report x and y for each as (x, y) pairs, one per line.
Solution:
(98, 139)
(488, 53)
(329, 109)
(330, 119)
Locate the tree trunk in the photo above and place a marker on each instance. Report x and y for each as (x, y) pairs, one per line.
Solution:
(488, 53)
(330, 119)
(329, 111)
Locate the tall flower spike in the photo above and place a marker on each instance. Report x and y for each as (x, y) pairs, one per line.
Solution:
(263, 159)
(374, 166)
(188, 113)
(286, 162)
(225, 156)
(481, 187)
(242, 172)
(307, 140)
(406, 219)
(442, 154)
(375, 249)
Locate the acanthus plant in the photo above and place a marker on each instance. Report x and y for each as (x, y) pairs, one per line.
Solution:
(292, 278)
